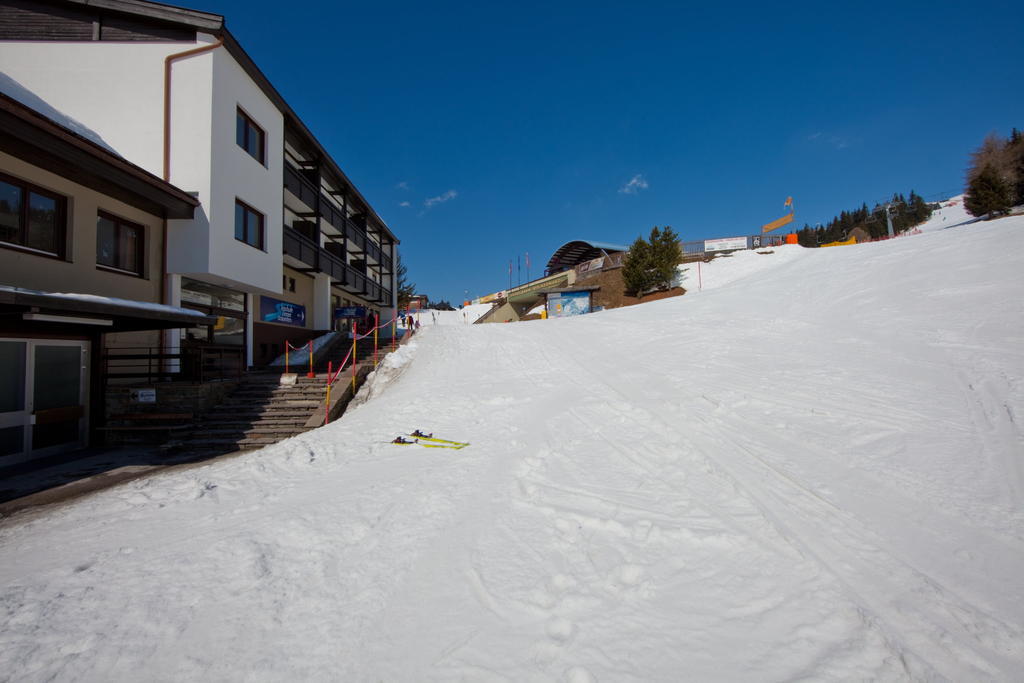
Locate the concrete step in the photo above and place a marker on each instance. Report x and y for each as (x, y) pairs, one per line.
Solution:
(268, 421)
(275, 433)
(277, 400)
(257, 413)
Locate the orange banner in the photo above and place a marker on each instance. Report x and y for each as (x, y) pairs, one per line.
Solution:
(768, 227)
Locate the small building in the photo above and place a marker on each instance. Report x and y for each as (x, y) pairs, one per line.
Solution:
(82, 235)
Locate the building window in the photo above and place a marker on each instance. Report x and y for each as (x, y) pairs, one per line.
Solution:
(248, 224)
(31, 217)
(250, 137)
(119, 244)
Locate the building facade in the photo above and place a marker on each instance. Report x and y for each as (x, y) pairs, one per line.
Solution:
(281, 236)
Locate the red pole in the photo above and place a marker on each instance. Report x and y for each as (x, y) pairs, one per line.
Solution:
(327, 401)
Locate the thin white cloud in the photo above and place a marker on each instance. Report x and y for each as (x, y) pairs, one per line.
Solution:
(441, 198)
(404, 204)
(402, 185)
(828, 139)
(635, 184)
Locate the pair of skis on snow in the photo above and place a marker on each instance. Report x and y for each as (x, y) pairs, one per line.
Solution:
(418, 438)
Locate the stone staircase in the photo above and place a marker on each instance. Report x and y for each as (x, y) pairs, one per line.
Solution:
(260, 412)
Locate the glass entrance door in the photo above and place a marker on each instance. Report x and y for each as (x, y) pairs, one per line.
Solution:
(43, 397)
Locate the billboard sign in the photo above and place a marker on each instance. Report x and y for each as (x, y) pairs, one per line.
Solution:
(725, 244)
(562, 304)
(357, 312)
(285, 312)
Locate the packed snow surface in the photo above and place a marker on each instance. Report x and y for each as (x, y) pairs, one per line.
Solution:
(811, 471)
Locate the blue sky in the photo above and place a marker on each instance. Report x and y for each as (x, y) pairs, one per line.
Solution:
(481, 131)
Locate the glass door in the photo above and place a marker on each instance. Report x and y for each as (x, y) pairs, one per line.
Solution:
(14, 413)
(43, 398)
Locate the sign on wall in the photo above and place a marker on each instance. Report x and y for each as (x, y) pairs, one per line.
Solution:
(561, 304)
(357, 312)
(725, 244)
(277, 311)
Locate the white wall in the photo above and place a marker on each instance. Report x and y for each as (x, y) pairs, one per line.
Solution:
(235, 174)
(115, 89)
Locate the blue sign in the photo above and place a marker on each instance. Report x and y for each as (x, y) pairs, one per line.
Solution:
(561, 304)
(277, 311)
(358, 312)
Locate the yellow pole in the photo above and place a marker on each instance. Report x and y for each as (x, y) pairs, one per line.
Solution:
(311, 373)
(286, 356)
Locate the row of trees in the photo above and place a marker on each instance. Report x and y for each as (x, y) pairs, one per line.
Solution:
(995, 177)
(651, 264)
(906, 213)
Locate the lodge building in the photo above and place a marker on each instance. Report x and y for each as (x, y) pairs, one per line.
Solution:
(145, 158)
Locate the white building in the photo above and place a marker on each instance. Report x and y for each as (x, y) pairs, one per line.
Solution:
(281, 237)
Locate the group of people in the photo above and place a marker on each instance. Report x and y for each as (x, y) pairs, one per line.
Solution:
(408, 321)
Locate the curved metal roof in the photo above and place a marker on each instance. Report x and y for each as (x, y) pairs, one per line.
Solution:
(576, 252)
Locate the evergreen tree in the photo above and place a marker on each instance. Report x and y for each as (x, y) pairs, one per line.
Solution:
(806, 237)
(666, 255)
(636, 268)
(1015, 160)
(405, 288)
(987, 193)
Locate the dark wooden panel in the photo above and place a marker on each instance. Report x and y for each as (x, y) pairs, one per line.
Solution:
(23, 20)
(125, 29)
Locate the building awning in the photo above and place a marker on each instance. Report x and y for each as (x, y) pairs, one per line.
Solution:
(20, 308)
(575, 252)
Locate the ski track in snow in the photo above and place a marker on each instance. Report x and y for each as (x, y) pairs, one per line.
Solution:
(810, 470)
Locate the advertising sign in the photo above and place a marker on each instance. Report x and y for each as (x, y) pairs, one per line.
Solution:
(725, 244)
(143, 395)
(357, 312)
(561, 304)
(277, 311)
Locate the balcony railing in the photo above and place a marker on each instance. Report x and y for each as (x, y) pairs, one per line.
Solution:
(300, 247)
(201, 364)
(300, 187)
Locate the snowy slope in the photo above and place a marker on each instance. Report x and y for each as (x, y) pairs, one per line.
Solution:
(811, 472)
(951, 213)
(467, 315)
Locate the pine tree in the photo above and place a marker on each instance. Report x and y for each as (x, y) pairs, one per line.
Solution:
(667, 255)
(636, 267)
(987, 193)
(651, 264)
(1015, 159)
